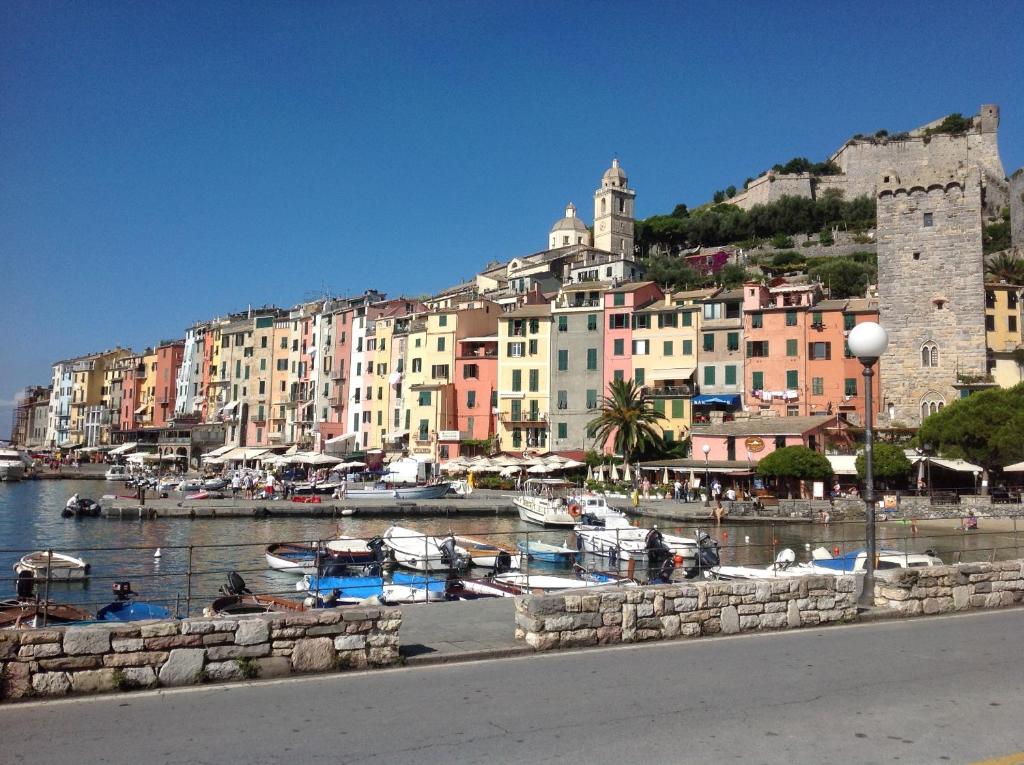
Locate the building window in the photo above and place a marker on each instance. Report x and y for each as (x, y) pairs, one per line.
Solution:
(667, 320)
(791, 347)
(709, 375)
(732, 341)
(666, 348)
(517, 437)
(990, 299)
(759, 348)
(563, 323)
(563, 361)
(591, 398)
(618, 321)
(709, 341)
(730, 374)
(638, 376)
(517, 380)
(424, 430)
(563, 430)
(417, 366)
(850, 386)
(929, 355)
(424, 398)
(442, 320)
(563, 399)
(792, 411)
(849, 321)
(470, 372)
(819, 351)
(678, 407)
(712, 310)
(1011, 323)
(756, 320)
(618, 347)
(439, 371)
(659, 405)
(471, 399)
(990, 323)
(515, 350)
(591, 359)
(790, 318)
(534, 326)
(928, 220)
(687, 347)
(641, 321)
(618, 375)
(792, 378)
(817, 386)
(757, 381)
(591, 322)
(641, 347)
(534, 380)
(619, 298)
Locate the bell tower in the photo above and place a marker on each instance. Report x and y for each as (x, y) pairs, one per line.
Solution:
(613, 212)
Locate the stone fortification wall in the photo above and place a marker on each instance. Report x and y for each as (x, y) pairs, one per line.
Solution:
(610, 615)
(771, 187)
(942, 589)
(97, 658)
(1017, 208)
(930, 289)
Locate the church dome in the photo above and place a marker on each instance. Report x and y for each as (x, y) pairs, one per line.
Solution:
(614, 175)
(570, 222)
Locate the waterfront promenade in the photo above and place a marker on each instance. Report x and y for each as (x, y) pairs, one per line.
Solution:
(924, 690)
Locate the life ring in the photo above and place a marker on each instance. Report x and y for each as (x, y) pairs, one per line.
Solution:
(574, 510)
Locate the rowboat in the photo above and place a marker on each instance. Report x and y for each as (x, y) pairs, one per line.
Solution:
(545, 553)
(19, 614)
(433, 491)
(489, 555)
(237, 599)
(424, 553)
(400, 587)
(302, 558)
(61, 567)
(541, 583)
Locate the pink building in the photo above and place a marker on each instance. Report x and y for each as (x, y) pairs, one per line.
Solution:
(619, 306)
(747, 441)
(168, 362)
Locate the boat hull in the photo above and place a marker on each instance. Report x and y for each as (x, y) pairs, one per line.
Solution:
(545, 553)
(417, 551)
(30, 615)
(533, 511)
(61, 567)
(132, 611)
(400, 492)
(12, 472)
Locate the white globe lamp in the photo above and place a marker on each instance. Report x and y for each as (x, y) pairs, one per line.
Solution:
(868, 340)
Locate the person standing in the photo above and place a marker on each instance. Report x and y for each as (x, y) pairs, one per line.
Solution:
(677, 490)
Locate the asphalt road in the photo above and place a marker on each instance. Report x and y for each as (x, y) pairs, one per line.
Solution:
(946, 689)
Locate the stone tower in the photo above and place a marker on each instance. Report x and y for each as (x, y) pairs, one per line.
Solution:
(568, 231)
(613, 212)
(931, 291)
(1017, 208)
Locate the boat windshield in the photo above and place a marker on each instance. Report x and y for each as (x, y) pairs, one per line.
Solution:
(547, 489)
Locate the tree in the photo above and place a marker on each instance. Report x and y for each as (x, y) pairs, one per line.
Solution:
(719, 197)
(733, 275)
(795, 463)
(984, 428)
(628, 419)
(846, 277)
(888, 462)
(1005, 267)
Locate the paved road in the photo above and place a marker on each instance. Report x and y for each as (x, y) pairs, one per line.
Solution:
(925, 691)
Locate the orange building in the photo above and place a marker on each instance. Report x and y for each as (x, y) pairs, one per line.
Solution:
(168, 362)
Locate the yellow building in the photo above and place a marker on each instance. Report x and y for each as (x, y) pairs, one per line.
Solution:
(1003, 333)
(281, 384)
(148, 394)
(664, 360)
(524, 374)
(89, 418)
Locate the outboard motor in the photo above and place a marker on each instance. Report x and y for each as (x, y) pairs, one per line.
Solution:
(589, 519)
(503, 562)
(450, 557)
(235, 585)
(707, 556)
(25, 586)
(122, 591)
(377, 546)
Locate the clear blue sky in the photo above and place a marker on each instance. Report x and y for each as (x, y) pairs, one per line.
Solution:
(163, 163)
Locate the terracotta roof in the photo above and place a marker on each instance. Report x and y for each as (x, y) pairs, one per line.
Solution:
(862, 305)
(766, 426)
(529, 311)
(630, 286)
(586, 287)
(829, 305)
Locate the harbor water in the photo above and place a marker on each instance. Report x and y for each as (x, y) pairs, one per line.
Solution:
(124, 550)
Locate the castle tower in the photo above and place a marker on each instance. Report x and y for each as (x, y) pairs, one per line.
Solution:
(931, 292)
(613, 212)
(569, 230)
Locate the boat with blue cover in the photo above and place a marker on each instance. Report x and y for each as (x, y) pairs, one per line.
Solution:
(399, 587)
(126, 609)
(853, 562)
(546, 553)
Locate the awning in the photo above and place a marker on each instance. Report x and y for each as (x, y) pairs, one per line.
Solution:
(395, 434)
(70, 444)
(230, 407)
(843, 464)
(124, 448)
(960, 466)
(340, 439)
(242, 453)
(1017, 468)
(727, 399)
(141, 409)
(220, 450)
(671, 373)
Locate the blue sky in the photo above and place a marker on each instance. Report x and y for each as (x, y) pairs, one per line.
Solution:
(163, 163)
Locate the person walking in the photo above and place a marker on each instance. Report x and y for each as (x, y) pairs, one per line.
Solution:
(677, 490)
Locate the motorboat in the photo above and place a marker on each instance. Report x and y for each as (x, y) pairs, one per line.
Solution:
(215, 484)
(13, 465)
(399, 587)
(783, 566)
(303, 558)
(237, 600)
(545, 501)
(26, 612)
(591, 504)
(461, 588)
(126, 608)
(489, 555)
(460, 488)
(117, 473)
(547, 553)
(326, 487)
(822, 561)
(541, 583)
(167, 484)
(61, 567)
(81, 507)
(382, 491)
(612, 537)
(424, 553)
(190, 485)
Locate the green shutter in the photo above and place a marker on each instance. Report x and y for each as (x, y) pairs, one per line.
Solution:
(638, 376)
(709, 375)
(688, 319)
(659, 405)
(666, 348)
(563, 430)
(517, 409)
(730, 374)
(791, 347)
(534, 380)
(619, 298)
(757, 381)
(591, 398)
(618, 347)
(850, 388)
(591, 322)
(591, 359)
(668, 436)
(709, 341)
(470, 399)
(678, 407)
(792, 378)
(563, 323)
(517, 379)
(687, 347)
(733, 341)
(563, 361)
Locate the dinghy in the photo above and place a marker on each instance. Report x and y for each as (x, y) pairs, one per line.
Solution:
(489, 555)
(545, 553)
(302, 558)
(237, 600)
(25, 612)
(424, 553)
(62, 567)
(126, 609)
(541, 583)
(400, 587)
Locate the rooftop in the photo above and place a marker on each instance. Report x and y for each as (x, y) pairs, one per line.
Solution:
(767, 426)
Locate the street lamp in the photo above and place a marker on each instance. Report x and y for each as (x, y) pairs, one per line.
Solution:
(868, 341)
(707, 476)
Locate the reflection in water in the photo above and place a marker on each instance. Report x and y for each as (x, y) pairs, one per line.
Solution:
(30, 520)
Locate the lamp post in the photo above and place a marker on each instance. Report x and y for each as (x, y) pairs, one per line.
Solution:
(868, 342)
(707, 477)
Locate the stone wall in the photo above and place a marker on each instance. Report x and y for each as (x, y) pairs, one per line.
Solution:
(942, 589)
(608, 615)
(1017, 208)
(97, 658)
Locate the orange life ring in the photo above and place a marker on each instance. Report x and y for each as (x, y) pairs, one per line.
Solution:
(574, 510)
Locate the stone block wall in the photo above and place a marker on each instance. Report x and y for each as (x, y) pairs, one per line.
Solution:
(97, 658)
(942, 589)
(1017, 208)
(608, 615)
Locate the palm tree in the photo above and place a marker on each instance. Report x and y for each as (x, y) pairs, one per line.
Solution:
(628, 419)
(1005, 266)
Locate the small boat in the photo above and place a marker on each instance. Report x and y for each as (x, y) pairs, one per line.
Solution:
(117, 473)
(126, 609)
(25, 612)
(170, 483)
(238, 600)
(460, 588)
(602, 577)
(81, 507)
(545, 553)
(62, 567)
(215, 484)
(489, 555)
(424, 553)
(190, 485)
(613, 537)
(852, 562)
(13, 465)
(302, 558)
(381, 491)
(782, 567)
(400, 587)
(544, 501)
(541, 583)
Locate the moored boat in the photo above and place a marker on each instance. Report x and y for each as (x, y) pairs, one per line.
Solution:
(399, 587)
(489, 555)
(380, 491)
(547, 553)
(302, 558)
(237, 599)
(13, 465)
(27, 612)
(117, 473)
(544, 501)
(126, 608)
(60, 566)
(822, 562)
(541, 583)
(424, 553)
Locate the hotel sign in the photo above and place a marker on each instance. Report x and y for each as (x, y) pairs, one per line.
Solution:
(448, 435)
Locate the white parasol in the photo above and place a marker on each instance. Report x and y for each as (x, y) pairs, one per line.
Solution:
(590, 472)
(627, 474)
(542, 468)
(615, 472)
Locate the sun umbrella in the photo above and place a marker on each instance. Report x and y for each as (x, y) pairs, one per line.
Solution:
(615, 472)
(590, 472)
(664, 476)
(312, 458)
(537, 469)
(627, 474)
(572, 465)
(600, 473)
(510, 470)
(454, 467)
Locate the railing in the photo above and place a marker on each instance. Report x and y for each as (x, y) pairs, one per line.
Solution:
(523, 417)
(669, 391)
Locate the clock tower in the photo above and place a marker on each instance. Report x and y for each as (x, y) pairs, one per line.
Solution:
(613, 212)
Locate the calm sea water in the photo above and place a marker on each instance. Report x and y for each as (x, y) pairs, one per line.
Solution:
(121, 550)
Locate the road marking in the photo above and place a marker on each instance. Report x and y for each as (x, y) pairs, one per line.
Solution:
(1009, 759)
(548, 655)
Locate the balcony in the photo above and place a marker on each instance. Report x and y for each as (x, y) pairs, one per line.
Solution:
(336, 401)
(276, 437)
(670, 391)
(524, 418)
(338, 374)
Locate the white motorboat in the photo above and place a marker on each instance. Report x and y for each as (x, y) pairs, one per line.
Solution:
(784, 566)
(822, 561)
(190, 485)
(424, 553)
(168, 483)
(540, 583)
(302, 558)
(62, 567)
(431, 491)
(489, 555)
(545, 501)
(13, 465)
(117, 473)
(612, 537)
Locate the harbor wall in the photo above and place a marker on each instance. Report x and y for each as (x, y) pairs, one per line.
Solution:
(942, 589)
(59, 661)
(662, 612)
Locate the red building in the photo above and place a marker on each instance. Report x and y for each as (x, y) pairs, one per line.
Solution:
(476, 390)
(168, 362)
